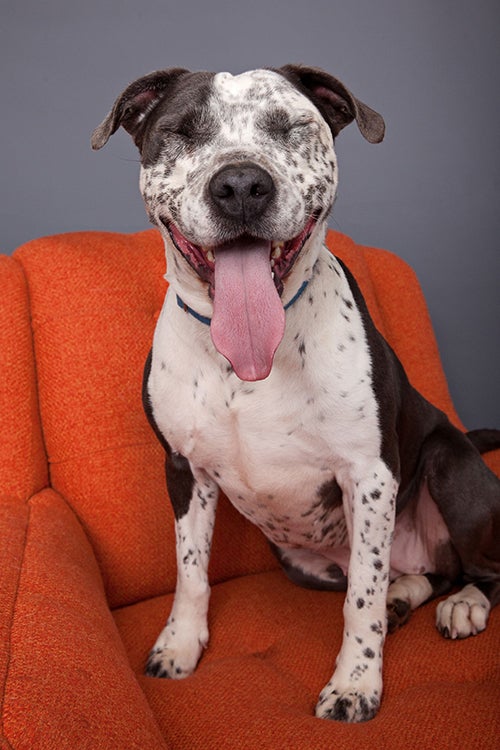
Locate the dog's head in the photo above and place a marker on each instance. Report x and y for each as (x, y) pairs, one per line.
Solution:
(239, 174)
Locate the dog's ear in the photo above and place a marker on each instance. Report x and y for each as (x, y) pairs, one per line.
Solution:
(335, 102)
(133, 106)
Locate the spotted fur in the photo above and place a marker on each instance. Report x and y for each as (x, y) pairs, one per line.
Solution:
(353, 477)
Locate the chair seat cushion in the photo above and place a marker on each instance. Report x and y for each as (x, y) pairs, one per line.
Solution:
(272, 649)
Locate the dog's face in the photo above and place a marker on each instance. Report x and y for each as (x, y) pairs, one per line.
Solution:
(254, 133)
(238, 173)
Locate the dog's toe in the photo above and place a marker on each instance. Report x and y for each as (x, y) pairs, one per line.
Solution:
(175, 656)
(167, 663)
(156, 666)
(398, 613)
(351, 705)
(463, 614)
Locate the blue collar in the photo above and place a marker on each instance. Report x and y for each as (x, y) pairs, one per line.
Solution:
(206, 321)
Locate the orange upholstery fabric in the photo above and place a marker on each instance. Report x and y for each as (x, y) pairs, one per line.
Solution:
(87, 562)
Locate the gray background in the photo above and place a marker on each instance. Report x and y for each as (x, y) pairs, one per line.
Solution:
(430, 192)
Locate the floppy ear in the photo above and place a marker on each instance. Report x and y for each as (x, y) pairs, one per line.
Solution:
(133, 106)
(335, 102)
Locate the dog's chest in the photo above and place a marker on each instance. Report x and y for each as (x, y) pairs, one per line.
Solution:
(277, 447)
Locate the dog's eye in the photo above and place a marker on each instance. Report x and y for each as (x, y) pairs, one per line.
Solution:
(305, 121)
(193, 128)
(184, 130)
(300, 129)
(276, 122)
(190, 128)
(280, 124)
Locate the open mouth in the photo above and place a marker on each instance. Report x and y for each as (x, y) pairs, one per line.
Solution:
(282, 254)
(245, 278)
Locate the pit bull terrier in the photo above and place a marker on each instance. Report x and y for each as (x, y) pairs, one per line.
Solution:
(268, 379)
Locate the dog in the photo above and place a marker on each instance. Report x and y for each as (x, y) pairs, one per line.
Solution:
(267, 378)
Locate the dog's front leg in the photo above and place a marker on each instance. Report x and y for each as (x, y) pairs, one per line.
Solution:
(182, 640)
(354, 692)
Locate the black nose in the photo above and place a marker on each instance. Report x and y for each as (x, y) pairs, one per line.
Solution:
(241, 191)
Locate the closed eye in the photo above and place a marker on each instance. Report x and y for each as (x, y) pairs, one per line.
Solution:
(195, 127)
(281, 124)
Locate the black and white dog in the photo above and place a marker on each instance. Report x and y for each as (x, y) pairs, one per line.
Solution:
(268, 379)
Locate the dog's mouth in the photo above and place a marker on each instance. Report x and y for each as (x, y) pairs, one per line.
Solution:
(282, 254)
(245, 278)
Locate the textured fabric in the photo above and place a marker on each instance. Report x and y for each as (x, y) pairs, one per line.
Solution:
(23, 466)
(272, 649)
(67, 682)
(87, 561)
(94, 302)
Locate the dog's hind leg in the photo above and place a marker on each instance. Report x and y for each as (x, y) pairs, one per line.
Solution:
(408, 592)
(463, 614)
(310, 569)
(467, 494)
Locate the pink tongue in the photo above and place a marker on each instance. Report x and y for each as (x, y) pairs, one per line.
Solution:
(248, 321)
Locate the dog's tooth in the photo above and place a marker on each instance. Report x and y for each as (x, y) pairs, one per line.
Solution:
(272, 262)
(210, 256)
(277, 248)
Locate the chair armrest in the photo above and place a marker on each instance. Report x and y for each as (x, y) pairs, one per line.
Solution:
(23, 464)
(65, 680)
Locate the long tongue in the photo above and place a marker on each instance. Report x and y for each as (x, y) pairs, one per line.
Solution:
(248, 321)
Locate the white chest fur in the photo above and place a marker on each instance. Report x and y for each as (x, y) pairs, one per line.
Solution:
(271, 445)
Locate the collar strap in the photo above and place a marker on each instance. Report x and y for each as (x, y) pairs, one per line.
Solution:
(206, 321)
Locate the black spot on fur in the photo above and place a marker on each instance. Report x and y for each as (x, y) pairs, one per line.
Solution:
(330, 495)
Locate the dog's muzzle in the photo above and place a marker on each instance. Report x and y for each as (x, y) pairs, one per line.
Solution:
(246, 269)
(245, 277)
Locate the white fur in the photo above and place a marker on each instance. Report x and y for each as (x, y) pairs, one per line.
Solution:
(463, 614)
(240, 136)
(271, 445)
(413, 589)
(182, 640)
(299, 453)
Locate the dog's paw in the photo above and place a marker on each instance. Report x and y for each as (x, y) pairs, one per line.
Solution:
(405, 594)
(398, 614)
(175, 656)
(463, 614)
(349, 705)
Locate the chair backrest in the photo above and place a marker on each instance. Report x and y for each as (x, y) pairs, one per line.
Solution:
(94, 298)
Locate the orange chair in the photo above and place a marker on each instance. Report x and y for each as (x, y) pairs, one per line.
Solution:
(87, 560)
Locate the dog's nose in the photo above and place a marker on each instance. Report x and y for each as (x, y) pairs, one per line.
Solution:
(241, 191)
